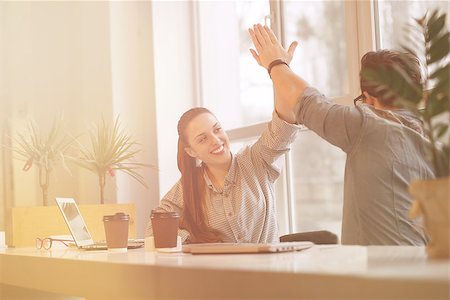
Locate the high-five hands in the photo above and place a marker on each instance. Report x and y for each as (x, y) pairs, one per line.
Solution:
(268, 48)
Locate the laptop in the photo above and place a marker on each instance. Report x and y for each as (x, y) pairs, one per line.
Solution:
(78, 229)
(242, 248)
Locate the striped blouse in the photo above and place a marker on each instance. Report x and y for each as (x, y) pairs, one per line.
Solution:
(244, 211)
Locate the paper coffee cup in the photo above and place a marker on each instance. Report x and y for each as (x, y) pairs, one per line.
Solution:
(116, 231)
(165, 228)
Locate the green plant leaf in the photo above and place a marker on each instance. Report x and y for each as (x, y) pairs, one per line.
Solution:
(440, 129)
(428, 19)
(442, 72)
(436, 108)
(111, 149)
(394, 83)
(407, 105)
(440, 91)
(421, 21)
(438, 49)
(136, 176)
(45, 151)
(444, 160)
(435, 25)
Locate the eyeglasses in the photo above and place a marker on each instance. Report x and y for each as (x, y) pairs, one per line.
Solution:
(47, 243)
(359, 98)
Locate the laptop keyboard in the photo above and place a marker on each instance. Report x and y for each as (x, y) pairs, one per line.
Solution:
(101, 245)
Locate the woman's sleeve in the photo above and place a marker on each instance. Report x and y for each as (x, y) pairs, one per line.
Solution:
(273, 143)
(172, 201)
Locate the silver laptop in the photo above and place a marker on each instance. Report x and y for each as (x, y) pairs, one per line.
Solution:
(79, 230)
(225, 248)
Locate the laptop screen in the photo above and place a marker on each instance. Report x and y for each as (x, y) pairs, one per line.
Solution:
(74, 221)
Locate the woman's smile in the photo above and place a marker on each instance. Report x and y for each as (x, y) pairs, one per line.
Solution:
(219, 150)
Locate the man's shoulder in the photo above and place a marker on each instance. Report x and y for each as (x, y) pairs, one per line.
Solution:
(401, 118)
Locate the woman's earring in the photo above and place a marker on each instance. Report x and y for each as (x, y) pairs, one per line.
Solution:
(198, 162)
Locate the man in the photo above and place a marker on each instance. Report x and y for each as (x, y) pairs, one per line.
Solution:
(385, 145)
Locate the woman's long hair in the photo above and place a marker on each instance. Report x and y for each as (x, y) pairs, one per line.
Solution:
(194, 217)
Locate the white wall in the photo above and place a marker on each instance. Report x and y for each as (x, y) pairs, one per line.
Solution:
(56, 60)
(4, 113)
(88, 60)
(133, 78)
(174, 80)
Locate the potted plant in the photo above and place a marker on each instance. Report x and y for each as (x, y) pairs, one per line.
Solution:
(111, 150)
(430, 101)
(44, 151)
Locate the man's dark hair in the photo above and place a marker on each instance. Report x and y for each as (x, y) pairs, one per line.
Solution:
(387, 59)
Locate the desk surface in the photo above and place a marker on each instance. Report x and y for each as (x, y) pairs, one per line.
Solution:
(322, 271)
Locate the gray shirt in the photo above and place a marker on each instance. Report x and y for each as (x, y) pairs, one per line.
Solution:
(386, 150)
(244, 211)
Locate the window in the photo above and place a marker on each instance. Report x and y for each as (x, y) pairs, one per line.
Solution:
(327, 57)
(321, 57)
(256, 91)
(233, 85)
(392, 17)
(318, 181)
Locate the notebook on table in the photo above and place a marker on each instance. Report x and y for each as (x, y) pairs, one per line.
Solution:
(78, 229)
(242, 248)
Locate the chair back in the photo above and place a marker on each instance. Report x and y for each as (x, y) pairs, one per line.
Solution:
(317, 237)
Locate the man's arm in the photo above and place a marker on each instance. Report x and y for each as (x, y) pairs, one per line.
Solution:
(338, 124)
(287, 85)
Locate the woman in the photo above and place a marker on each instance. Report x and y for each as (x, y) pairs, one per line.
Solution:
(223, 197)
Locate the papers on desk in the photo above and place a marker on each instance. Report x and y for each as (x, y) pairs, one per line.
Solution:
(225, 248)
